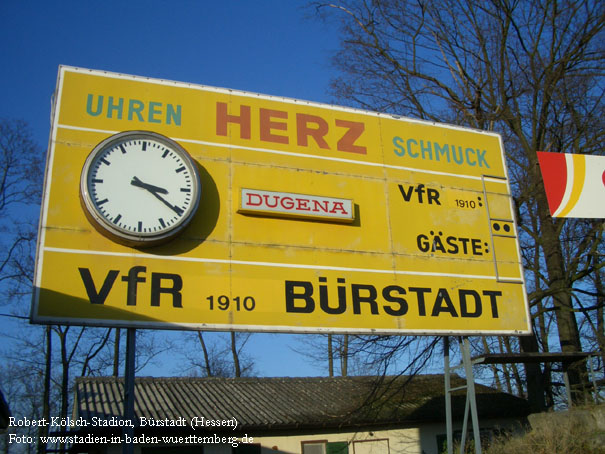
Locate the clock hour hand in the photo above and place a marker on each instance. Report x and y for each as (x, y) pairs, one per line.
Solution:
(156, 191)
(151, 188)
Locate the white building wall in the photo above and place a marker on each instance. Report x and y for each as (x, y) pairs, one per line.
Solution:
(404, 441)
(421, 440)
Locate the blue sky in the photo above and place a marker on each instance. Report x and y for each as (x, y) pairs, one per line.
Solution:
(263, 46)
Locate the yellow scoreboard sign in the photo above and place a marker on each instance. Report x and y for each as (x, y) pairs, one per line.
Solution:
(311, 218)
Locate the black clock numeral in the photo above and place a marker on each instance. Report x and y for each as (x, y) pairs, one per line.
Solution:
(122, 149)
(166, 151)
(144, 145)
(105, 161)
(101, 202)
(185, 189)
(162, 223)
(97, 180)
(180, 169)
(117, 219)
(140, 226)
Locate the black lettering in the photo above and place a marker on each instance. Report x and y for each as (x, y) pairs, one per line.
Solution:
(453, 247)
(91, 290)
(493, 294)
(423, 243)
(387, 294)
(476, 246)
(464, 242)
(464, 307)
(174, 290)
(443, 297)
(133, 279)
(419, 190)
(370, 298)
(420, 291)
(407, 194)
(342, 299)
(438, 244)
(291, 296)
(433, 196)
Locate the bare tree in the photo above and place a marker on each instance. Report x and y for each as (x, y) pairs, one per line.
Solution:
(368, 355)
(42, 358)
(532, 71)
(20, 191)
(222, 355)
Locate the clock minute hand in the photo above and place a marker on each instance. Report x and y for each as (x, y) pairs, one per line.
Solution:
(154, 190)
(151, 188)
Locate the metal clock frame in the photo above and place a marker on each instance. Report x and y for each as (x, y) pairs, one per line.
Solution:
(109, 229)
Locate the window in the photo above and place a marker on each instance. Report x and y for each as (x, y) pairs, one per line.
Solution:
(324, 447)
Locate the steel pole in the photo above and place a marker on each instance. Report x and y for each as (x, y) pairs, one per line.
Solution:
(128, 431)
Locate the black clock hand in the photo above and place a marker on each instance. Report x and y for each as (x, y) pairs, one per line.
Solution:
(154, 190)
(174, 208)
(151, 188)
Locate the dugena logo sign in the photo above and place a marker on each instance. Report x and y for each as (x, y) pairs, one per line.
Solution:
(287, 204)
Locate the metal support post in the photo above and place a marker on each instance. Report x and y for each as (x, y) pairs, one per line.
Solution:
(128, 432)
(448, 396)
(471, 400)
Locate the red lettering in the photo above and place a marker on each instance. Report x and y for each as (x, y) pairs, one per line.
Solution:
(287, 203)
(304, 130)
(303, 204)
(273, 127)
(258, 198)
(347, 141)
(338, 207)
(266, 125)
(223, 118)
(275, 197)
(317, 206)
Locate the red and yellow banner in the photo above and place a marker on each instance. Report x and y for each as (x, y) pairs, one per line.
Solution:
(574, 184)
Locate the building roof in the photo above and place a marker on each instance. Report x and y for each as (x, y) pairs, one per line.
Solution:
(292, 403)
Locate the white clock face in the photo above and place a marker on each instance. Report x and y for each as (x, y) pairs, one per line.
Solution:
(139, 188)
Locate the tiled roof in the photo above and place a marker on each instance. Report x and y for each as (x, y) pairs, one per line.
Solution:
(281, 403)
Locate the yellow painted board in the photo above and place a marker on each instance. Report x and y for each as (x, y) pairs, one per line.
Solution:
(432, 246)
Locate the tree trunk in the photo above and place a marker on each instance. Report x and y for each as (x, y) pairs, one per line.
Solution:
(533, 376)
(569, 336)
(344, 358)
(330, 357)
(206, 357)
(238, 372)
(600, 309)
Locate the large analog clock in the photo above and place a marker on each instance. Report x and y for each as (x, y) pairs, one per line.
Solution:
(139, 188)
